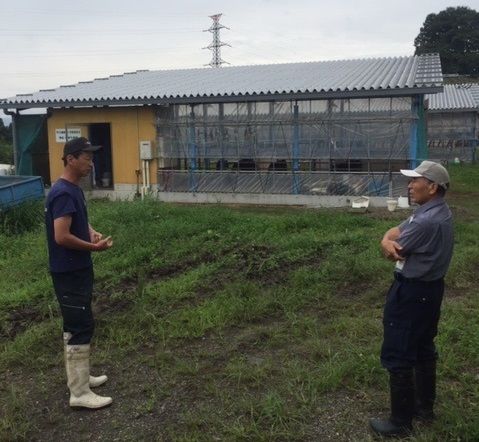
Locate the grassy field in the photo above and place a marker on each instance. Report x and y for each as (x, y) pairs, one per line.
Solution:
(232, 324)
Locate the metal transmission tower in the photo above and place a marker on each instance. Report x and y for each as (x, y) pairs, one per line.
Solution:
(216, 44)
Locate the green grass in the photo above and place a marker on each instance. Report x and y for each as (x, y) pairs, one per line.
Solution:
(219, 323)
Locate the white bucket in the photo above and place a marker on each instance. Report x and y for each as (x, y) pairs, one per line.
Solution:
(360, 203)
(106, 179)
(6, 169)
(392, 204)
(403, 202)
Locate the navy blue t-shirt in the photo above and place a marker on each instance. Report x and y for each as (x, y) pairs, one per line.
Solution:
(66, 198)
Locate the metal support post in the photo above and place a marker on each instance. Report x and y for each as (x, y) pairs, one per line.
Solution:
(192, 154)
(295, 165)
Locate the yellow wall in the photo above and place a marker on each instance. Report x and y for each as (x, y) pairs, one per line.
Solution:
(128, 126)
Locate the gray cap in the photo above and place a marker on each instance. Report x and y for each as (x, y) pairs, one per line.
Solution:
(434, 172)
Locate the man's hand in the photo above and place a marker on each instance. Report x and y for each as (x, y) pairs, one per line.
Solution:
(103, 244)
(389, 245)
(95, 236)
(64, 238)
(391, 250)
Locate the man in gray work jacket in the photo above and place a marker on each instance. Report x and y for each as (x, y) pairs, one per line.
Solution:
(422, 248)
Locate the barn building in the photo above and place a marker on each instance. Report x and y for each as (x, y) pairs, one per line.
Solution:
(453, 123)
(312, 133)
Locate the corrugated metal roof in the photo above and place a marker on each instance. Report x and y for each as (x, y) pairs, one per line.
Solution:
(475, 92)
(331, 78)
(455, 97)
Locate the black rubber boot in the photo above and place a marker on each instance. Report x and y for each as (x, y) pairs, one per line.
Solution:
(401, 384)
(425, 390)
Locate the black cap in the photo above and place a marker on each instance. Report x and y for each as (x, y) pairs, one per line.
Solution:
(78, 145)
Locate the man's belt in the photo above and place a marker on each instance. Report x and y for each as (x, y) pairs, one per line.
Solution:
(398, 276)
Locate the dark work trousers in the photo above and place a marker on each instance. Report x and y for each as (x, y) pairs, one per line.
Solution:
(74, 293)
(411, 315)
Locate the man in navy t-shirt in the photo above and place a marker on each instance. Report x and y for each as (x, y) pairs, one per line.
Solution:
(71, 240)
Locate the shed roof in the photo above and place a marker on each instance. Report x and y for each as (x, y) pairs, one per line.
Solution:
(455, 97)
(323, 79)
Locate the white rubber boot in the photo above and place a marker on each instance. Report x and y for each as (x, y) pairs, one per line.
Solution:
(78, 373)
(95, 381)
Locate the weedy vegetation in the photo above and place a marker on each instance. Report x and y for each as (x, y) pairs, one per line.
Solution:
(232, 323)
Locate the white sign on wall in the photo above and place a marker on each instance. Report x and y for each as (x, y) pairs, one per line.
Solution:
(73, 132)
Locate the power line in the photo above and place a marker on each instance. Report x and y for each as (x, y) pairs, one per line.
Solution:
(88, 12)
(123, 31)
(94, 53)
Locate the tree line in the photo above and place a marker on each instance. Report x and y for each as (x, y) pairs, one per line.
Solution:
(454, 34)
(6, 143)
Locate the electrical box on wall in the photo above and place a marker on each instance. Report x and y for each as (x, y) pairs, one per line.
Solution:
(146, 150)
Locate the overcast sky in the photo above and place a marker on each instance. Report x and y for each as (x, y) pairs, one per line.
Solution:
(45, 44)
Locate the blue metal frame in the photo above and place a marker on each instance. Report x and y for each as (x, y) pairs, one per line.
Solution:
(413, 139)
(418, 140)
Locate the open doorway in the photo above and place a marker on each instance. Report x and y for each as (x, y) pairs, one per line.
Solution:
(99, 135)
